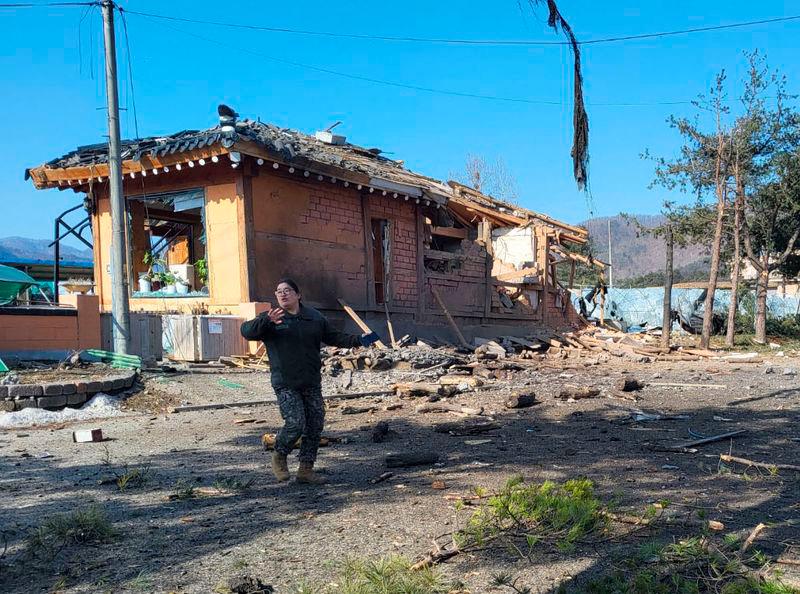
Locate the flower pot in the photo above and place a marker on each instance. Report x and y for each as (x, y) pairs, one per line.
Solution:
(168, 289)
(181, 289)
(145, 286)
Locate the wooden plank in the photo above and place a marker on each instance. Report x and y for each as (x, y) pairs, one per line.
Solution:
(369, 266)
(420, 229)
(449, 232)
(506, 276)
(357, 319)
(244, 221)
(46, 176)
(572, 275)
(389, 324)
(450, 319)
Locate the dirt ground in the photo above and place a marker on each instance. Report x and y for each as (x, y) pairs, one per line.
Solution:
(286, 534)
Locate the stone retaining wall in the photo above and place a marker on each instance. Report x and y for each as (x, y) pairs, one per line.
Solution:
(59, 395)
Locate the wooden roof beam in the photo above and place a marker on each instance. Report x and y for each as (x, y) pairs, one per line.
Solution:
(46, 177)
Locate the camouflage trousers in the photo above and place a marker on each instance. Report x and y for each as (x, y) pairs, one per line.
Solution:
(303, 412)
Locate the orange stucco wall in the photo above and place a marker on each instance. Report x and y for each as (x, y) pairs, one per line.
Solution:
(20, 333)
(223, 233)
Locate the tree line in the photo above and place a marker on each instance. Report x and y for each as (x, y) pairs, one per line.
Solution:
(742, 167)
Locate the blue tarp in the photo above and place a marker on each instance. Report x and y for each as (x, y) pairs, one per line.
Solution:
(639, 307)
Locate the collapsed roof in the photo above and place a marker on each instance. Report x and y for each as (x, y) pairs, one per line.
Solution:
(322, 154)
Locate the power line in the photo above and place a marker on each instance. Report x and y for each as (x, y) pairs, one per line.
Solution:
(401, 85)
(46, 4)
(437, 40)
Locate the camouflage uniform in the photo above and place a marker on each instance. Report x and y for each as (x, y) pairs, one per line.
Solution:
(293, 348)
(303, 412)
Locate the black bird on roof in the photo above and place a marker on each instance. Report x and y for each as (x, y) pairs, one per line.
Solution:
(225, 111)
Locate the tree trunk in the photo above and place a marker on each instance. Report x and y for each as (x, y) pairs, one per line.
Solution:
(734, 304)
(705, 337)
(761, 304)
(666, 319)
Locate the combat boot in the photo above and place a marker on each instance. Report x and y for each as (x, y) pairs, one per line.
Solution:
(279, 467)
(306, 474)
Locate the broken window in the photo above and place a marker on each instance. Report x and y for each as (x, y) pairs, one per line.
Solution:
(381, 259)
(443, 243)
(166, 243)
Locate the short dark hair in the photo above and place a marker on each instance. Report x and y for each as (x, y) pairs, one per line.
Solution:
(291, 283)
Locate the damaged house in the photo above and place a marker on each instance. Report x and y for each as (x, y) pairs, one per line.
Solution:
(215, 217)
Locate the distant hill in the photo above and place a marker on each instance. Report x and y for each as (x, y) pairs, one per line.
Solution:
(27, 249)
(634, 255)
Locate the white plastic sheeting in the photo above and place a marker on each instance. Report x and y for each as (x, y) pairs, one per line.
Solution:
(646, 305)
(100, 406)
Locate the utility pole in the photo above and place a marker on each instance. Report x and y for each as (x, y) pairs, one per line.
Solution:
(120, 310)
(610, 265)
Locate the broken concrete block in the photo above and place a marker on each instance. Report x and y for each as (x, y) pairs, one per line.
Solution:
(24, 391)
(25, 403)
(51, 401)
(52, 389)
(77, 399)
(67, 389)
(6, 405)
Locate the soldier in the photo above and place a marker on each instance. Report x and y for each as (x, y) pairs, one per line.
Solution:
(292, 334)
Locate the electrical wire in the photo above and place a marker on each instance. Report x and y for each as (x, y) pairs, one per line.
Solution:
(485, 42)
(46, 4)
(130, 73)
(408, 86)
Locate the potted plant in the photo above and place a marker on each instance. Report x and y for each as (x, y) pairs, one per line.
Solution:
(146, 278)
(201, 270)
(181, 286)
(167, 282)
(145, 282)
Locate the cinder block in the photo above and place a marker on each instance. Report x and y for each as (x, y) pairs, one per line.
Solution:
(129, 380)
(52, 389)
(67, 389)
(3, 392)
(117, 383)
(94, 387)
(25, 391)
(25, 403)
(77, 399)
(80, 387)
(107, 385)
(51, 401)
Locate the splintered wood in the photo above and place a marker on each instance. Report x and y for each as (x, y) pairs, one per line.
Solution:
(639, 347)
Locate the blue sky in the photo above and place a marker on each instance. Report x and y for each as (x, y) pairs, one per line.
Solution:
(51, 67)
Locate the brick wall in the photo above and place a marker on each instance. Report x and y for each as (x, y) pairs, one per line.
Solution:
(313, 232)
(403, 268)
(464, 289)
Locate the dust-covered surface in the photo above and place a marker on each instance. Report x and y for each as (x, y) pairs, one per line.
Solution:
(173, 538)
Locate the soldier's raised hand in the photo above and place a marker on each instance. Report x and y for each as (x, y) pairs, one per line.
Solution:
(276, 315)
